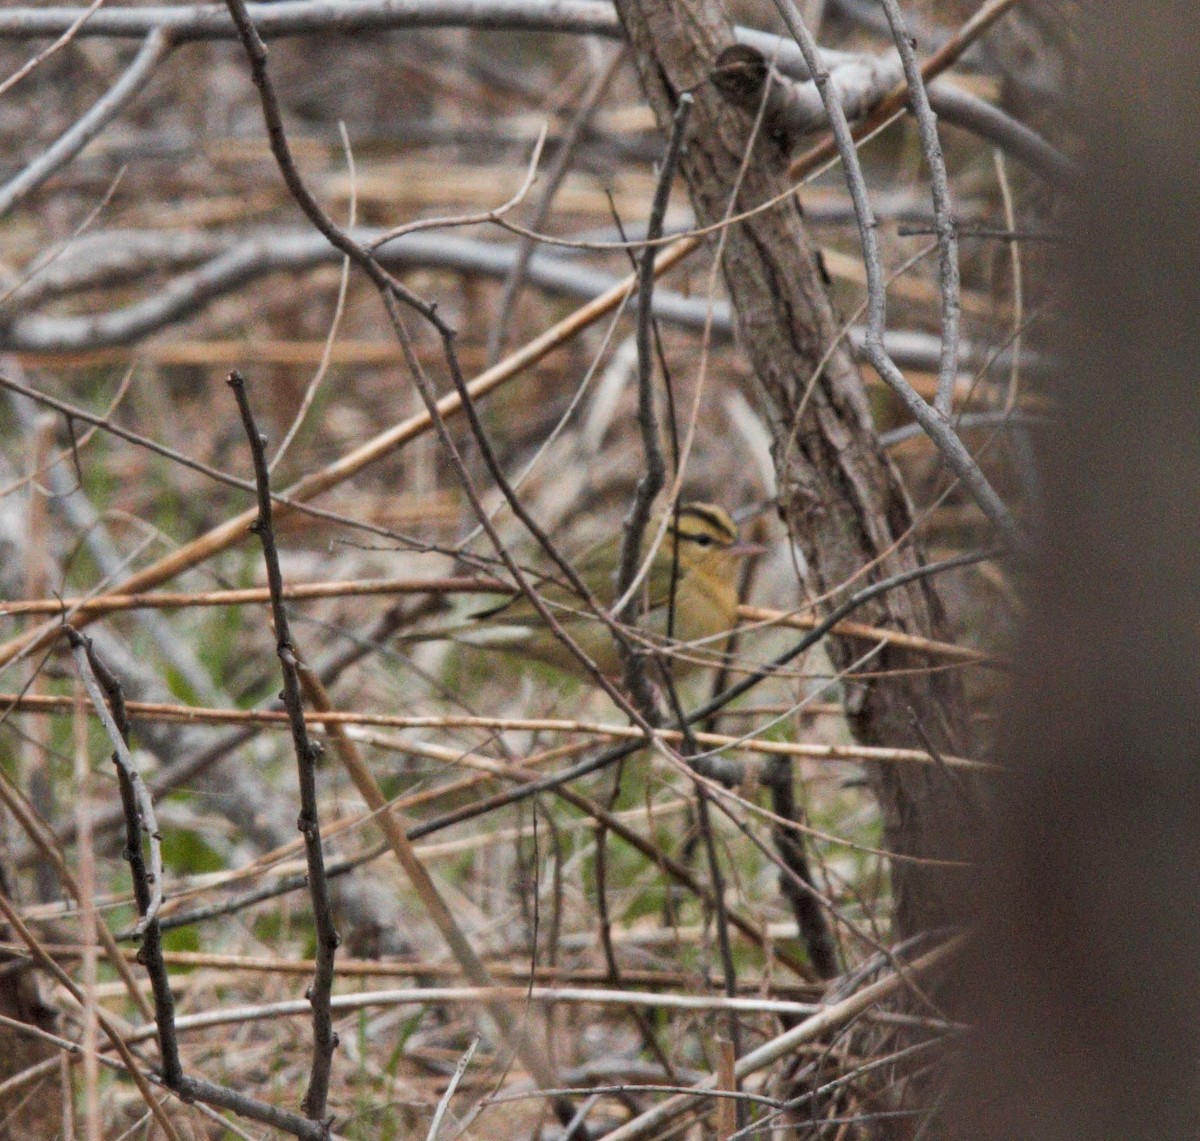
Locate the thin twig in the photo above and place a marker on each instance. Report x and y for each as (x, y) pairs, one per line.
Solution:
(325, 1041)
(53, 49)
(444, 1102)
(89, 922)
(320, 17)
(292, 592)
(811, 918)
(935, 423)
(339, 308)
(654, 476)
(943, 210)
(140, 818)
(480, 218)
(157, 47)
(275, 718)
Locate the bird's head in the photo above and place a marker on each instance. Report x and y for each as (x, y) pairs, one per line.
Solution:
(705, 540)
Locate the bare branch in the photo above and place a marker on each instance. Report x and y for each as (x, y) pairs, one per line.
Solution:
(935, 423)
(158, 45)
(325, 1041)
(312, 17)
(943, 210)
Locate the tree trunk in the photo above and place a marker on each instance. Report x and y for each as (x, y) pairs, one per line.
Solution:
(840, 496)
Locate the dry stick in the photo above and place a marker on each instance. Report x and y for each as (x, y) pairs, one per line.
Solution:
(208, 22)
(76, 341)
(932, 419)
(720, 914)
(1018, 291)
(339, 310)
(41, 57)
(139, 817)
(550, 996)
(424, 968)
(157, 46)
(444, 1102)
(943, 210)
(1011, 136)
(811, 1029)
(292, 592)
(396, 833)
(493, 215)
(138, 806)
(275, 718)
(307, 751)
(225, 535)
(935, 423)
(613, 972)
(726, 1108)
(296, 592)
(37, 747)
(915, 643)
(89, 921)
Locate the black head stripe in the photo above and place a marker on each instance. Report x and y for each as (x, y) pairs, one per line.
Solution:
(712, 522)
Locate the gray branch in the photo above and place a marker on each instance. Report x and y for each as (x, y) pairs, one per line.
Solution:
(943, 210)
(307, 17)
(124, 759)
(936, 425)
(157, 46)
(232, 260)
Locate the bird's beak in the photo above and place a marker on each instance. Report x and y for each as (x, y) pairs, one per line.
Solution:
(745, 550)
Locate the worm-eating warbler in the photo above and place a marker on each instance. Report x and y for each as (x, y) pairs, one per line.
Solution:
(697, 562)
